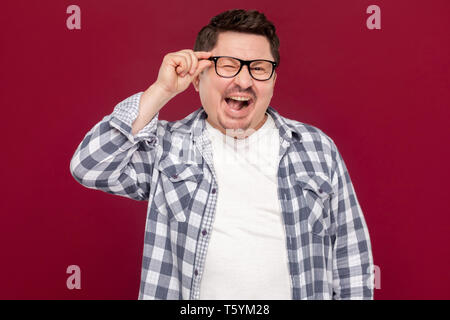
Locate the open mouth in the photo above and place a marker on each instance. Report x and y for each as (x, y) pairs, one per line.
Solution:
(238, 103)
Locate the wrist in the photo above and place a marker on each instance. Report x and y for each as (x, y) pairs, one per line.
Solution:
(159, 93)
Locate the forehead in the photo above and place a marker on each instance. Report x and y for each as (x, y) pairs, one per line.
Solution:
(243, 46)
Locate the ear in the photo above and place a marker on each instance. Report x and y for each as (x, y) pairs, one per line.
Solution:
(274, 78)
(196, 82)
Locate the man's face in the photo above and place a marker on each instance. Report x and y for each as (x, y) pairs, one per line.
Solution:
(215, 91)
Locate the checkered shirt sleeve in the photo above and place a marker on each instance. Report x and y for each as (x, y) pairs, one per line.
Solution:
(111, 159)
(352, 254)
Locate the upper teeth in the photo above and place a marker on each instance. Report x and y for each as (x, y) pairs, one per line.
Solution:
(240, 98)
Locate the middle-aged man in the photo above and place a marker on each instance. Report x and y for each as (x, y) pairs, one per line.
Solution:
(242, 202)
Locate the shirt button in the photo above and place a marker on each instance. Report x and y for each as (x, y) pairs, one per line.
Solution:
(196, 272)
(213, 190)
(204, 232)
(320, 190)
(175, 176)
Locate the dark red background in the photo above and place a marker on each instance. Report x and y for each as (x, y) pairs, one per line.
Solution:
(382, 95)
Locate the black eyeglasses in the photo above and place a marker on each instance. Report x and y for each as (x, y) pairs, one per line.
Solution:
(229, 67)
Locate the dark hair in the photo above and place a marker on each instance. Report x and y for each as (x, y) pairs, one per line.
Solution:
(238, 20)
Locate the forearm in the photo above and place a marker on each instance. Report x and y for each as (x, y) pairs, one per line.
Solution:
(152, 100)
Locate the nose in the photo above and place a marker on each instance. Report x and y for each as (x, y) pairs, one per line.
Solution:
(243, 78)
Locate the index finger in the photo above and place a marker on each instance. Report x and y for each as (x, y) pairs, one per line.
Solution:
(203, 54)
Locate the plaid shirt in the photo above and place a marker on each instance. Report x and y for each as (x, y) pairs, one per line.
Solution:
(170, 165)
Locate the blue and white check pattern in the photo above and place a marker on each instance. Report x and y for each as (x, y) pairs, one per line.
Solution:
(170, 165)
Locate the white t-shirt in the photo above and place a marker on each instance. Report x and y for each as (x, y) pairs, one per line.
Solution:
(247, 254)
